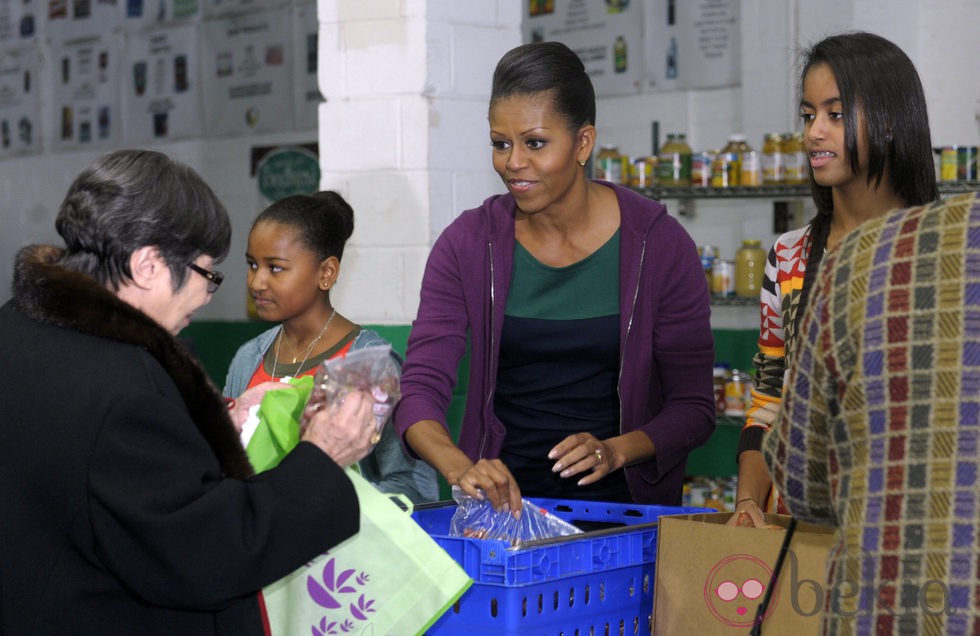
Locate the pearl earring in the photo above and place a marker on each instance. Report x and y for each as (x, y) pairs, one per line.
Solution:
(581, 163)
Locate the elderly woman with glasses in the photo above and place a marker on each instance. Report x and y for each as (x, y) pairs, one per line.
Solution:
(129, 505)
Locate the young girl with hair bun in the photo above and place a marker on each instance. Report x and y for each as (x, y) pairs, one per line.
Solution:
(293, 255)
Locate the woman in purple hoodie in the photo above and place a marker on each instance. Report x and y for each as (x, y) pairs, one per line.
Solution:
(584, 307)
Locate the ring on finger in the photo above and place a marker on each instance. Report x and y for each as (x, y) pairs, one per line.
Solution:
(598, 456)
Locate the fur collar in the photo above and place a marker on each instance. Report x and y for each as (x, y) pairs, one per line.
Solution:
(46, 292)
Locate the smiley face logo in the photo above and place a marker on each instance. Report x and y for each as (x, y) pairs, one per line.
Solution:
(735, 587)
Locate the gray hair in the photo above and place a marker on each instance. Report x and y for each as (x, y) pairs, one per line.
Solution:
(130, 199)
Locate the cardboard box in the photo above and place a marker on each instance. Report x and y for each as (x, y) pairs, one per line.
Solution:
(711, 578)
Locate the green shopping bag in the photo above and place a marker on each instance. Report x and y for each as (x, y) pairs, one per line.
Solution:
(278, 430)
(390, 578)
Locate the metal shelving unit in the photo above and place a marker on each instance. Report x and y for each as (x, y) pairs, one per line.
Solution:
(736, 192)
(687, 195)
(734, 301)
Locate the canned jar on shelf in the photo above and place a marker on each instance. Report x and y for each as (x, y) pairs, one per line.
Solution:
(722, 278)
(674, 161)
(609, 165)
(773, 163)
(795, 171)
(642, 172)
(750, 264)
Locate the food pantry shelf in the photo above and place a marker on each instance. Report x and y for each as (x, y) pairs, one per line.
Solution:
(734, 301)
(770, 191)
(688, 195)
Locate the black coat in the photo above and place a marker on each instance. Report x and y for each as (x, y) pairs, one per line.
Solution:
(128, 505)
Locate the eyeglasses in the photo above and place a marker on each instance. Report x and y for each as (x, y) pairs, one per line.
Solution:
(214, 278)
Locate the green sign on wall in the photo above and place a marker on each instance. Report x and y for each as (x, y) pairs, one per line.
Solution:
(287, 171)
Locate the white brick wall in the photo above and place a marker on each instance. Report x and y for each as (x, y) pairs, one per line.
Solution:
(411, 134)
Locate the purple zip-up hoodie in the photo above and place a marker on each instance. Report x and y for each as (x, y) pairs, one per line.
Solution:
(666, 346)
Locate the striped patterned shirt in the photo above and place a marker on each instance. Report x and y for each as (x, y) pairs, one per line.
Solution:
(879, 430)
(778, 301)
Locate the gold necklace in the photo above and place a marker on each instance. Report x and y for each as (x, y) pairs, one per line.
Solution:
(309, 349)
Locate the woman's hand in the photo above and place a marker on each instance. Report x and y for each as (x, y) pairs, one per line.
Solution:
(754, 486)
(583, 453)
(490, 479)
(239, 407)
(345, 430)
(747, 514)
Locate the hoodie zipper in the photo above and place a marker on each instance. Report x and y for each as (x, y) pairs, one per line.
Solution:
(629, 325)
(487, 380)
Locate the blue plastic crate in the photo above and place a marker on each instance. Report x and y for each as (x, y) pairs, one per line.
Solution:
(599, 582)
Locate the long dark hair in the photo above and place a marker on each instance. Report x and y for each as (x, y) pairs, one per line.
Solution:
(547, 67)
(877, 79)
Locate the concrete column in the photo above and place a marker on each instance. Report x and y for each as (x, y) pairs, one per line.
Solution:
(403, 133)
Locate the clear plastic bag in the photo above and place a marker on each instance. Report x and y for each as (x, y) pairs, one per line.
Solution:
(478, 520)
(372, 370)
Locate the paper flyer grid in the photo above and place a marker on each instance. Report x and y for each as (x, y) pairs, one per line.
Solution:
(70, 20)
(161, 87)
(307, 97)
(20, 103)
(85, 93)
(20, 21)
(141, 15)
(246, 73)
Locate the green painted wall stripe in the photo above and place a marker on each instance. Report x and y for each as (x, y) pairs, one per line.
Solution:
(215, 342)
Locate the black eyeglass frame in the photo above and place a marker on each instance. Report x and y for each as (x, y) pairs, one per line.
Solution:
(214, 278)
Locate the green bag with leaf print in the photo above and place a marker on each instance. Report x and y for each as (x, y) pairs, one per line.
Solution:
(389, 578)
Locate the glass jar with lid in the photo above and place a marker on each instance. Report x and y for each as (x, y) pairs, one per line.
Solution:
(674, 161)
(793, 154)
(750, 264)
(609, 165)
(773, 163)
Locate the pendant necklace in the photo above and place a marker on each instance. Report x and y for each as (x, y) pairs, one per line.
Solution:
(309, 349)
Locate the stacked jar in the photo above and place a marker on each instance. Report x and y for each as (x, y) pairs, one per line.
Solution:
(795, 171)
(736, 164)
(643, 172)
(612, 166)
(750, 264)
(674, 162)
(725, 165)
(738, 393)
(773, 162)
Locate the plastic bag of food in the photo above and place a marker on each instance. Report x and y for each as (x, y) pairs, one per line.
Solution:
(477, 519)
(373, 370)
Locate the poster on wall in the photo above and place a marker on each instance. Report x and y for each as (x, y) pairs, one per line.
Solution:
(85, 93)
(607, 35)
(246, 73)
(161, 88)
(70, 20)
(20, 21)
(141, 15)
(692, 44)
(20, 104)
(307, 90)
(224, 8)
(279, 172)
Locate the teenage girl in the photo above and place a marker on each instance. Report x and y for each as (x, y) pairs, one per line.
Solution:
(293, 255)
(866, 136)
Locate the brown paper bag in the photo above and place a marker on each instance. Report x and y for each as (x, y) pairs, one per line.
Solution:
(711, 578)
